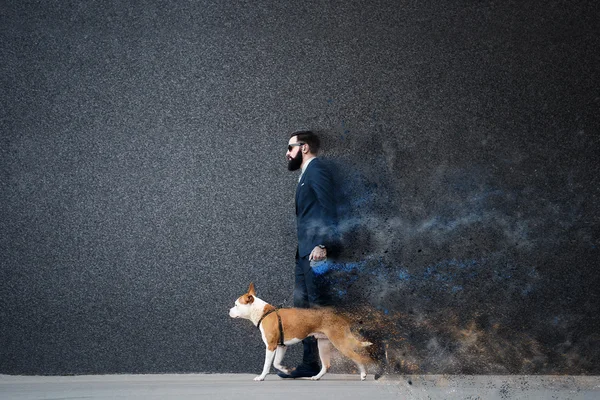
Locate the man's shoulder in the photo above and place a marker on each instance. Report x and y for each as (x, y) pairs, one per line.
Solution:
(318, 164)
(320, 170)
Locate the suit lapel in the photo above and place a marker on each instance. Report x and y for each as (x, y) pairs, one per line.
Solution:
(301, 183)
(298, 192)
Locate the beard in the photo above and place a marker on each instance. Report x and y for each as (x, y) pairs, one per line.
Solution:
(295, 163)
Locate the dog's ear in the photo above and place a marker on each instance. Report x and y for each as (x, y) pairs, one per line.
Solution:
(251, 289)
(246, 299)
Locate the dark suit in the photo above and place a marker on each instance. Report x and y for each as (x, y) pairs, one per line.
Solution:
(316, 218)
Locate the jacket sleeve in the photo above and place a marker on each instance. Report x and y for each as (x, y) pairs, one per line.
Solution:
(323, 186)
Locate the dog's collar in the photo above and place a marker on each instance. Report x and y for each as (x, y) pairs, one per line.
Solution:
(264, 315)
(275, 310)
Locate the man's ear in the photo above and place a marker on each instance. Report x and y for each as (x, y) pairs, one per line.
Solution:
(251, 289)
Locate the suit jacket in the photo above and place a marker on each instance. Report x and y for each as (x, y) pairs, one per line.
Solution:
(316, 214)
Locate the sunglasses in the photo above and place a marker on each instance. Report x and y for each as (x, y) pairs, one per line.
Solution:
(291, 146)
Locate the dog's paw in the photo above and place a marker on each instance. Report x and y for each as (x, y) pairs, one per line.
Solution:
(259, 378)
(315, 378)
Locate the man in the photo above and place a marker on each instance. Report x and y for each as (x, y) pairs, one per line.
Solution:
(316, 219)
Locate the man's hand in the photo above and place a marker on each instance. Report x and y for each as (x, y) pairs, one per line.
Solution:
(317, 254)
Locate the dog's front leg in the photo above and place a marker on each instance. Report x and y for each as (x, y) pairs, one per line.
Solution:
(280, 352)
(269, 355)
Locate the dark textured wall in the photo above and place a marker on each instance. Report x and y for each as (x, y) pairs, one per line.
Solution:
(144, 183)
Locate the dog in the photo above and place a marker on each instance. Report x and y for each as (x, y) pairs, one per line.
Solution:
(286, 326)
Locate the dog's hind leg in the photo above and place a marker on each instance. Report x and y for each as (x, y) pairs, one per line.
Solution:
(346, 343)
(279, 354)
(325, 356)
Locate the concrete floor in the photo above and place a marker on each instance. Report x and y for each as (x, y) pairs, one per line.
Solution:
(332, 386)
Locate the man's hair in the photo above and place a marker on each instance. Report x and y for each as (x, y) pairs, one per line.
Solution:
(310, 138)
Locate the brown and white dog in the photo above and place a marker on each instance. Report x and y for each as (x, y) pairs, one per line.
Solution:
(282, 327)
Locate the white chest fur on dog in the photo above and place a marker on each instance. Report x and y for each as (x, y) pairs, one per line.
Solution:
(295, 324)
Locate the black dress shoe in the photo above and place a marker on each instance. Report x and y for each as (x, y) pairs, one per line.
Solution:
(302, 371)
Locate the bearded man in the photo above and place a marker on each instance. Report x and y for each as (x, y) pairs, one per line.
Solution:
(316, 220)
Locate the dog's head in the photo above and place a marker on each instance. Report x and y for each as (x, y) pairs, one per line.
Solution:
(243, 304)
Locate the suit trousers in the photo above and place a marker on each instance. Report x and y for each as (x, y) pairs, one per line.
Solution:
(310, 288)
(309, 291)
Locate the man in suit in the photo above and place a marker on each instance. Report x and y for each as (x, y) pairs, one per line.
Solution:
(316, 219)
